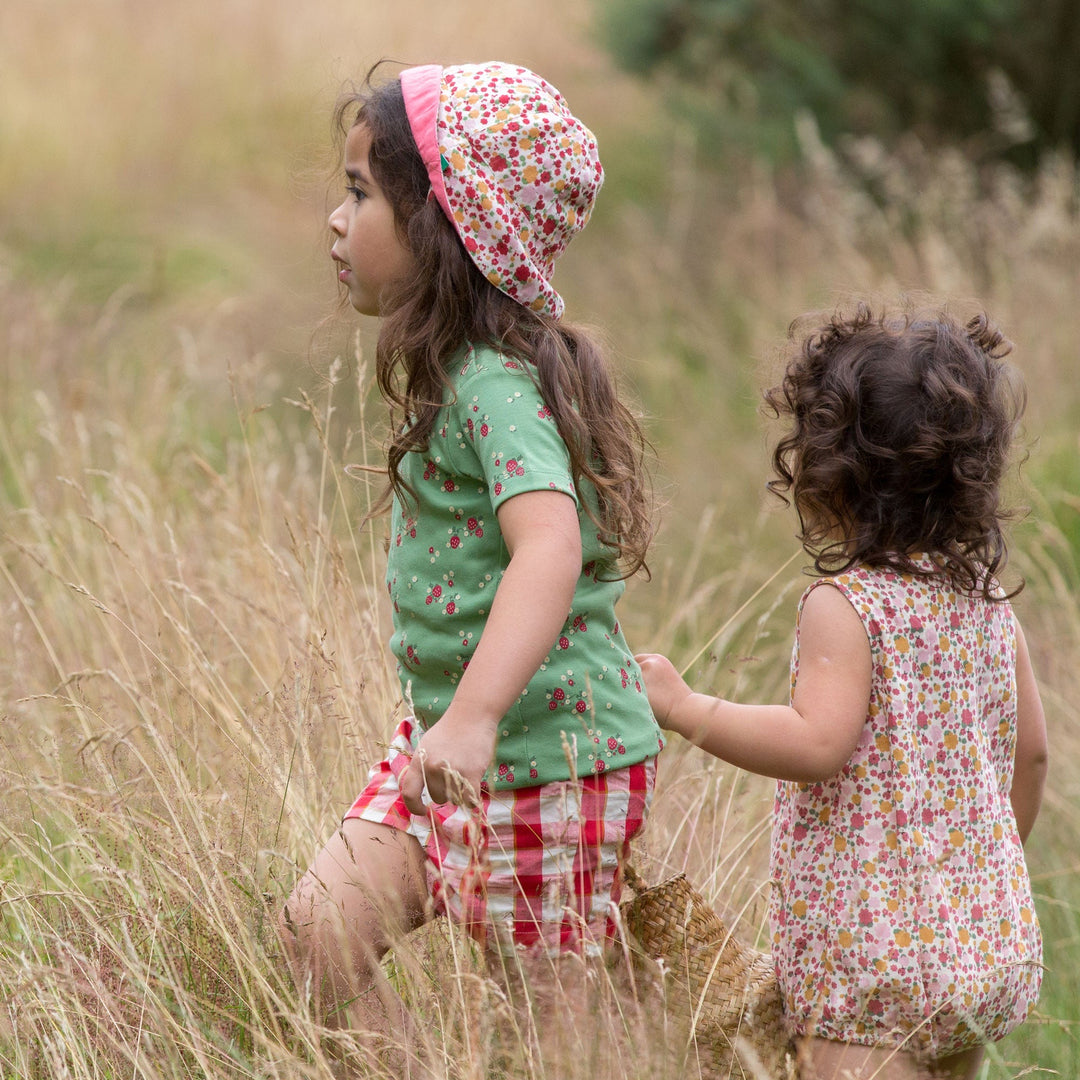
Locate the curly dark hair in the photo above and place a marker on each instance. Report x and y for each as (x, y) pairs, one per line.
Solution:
(446, 303)
(901, 428)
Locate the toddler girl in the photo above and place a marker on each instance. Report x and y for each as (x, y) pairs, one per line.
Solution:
(527, 760)
(912, 756)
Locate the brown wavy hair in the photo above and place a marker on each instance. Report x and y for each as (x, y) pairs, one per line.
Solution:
(447, 303)
(901, 429)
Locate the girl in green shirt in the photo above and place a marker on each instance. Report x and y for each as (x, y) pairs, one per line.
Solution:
(518, 507)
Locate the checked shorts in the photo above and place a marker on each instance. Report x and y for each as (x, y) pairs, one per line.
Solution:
(538, 868)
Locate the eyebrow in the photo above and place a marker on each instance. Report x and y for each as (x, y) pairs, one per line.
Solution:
(357, 176)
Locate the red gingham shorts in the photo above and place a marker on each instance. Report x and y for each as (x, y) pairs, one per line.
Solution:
(535, 867)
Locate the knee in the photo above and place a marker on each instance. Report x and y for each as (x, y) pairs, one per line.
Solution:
(320, 938)
(308, 924)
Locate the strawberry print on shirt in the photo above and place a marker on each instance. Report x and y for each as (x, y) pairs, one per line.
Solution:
(497, 438)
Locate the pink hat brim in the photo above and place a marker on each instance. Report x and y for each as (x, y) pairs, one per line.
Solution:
(421, 87)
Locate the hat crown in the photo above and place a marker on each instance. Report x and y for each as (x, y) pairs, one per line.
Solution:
(518, 172)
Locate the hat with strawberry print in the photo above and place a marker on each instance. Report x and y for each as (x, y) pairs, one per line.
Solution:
(513, 169)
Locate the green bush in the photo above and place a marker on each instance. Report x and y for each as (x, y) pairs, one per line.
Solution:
(997, 77)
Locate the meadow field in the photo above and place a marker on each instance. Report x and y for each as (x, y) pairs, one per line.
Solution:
(193, 677)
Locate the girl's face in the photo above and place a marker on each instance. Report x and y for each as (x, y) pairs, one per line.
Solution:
(367, 248)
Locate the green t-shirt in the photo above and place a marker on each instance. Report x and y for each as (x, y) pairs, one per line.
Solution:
(496, 438)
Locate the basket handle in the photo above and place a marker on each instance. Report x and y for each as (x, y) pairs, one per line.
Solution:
(633, 879)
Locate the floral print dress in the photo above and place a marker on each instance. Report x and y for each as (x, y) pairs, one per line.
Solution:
(902, 911)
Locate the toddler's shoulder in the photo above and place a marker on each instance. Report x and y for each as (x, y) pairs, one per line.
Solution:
(857, 593)
(829, 587)
(830, 599)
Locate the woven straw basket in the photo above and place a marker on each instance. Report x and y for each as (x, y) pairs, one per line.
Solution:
(724, 992)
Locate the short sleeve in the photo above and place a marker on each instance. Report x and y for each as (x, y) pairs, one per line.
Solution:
(511, 430)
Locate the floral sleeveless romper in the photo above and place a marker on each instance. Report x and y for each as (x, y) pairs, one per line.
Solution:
(901, 909)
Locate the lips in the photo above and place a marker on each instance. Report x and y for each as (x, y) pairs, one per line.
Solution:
(343, 267)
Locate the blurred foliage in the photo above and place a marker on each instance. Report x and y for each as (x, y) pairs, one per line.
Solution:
(1000, 78)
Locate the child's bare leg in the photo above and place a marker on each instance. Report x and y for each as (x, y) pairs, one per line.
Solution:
(824, 1059)
(963, 1066)
(365, 889)
(573, 1014)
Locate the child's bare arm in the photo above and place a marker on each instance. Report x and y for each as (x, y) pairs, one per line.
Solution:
(812, 739)
(1029, 771)
(543, 536)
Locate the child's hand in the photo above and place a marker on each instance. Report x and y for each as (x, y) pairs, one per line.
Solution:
(664, 685)
(449, 763)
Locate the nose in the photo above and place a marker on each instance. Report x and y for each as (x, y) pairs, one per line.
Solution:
(338, 221)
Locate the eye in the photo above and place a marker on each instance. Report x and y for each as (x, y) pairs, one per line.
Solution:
(357, 193)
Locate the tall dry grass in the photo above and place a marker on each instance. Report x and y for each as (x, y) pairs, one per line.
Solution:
(194, 676)
(197, 682)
